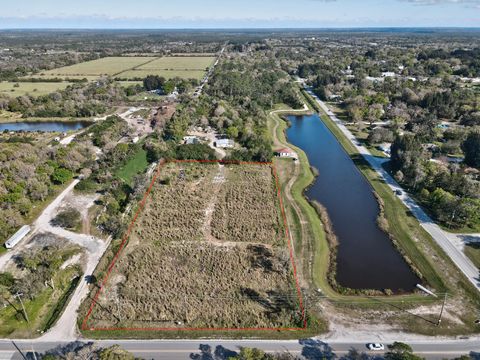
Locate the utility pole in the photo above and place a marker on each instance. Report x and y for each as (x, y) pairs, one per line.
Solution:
(441, 311)
(19, 296)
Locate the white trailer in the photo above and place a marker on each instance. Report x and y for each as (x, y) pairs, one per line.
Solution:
(17, 237)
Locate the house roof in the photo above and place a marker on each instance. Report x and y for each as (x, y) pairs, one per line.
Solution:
(285, 150)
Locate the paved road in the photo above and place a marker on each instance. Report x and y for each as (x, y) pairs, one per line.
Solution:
(445, 240)
(184, 349)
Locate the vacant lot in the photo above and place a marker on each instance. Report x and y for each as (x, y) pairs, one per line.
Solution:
(237, 201)
(186, 266)
(34, 89)
(104, 66)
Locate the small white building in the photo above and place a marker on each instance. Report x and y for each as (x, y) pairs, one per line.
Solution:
(286, 153)
(17, 237)
(190, 140)
(224, 143)
(388, 74)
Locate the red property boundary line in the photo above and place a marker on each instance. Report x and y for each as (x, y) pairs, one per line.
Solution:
(125, 238)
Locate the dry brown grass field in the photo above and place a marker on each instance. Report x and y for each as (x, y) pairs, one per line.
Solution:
(208, 251)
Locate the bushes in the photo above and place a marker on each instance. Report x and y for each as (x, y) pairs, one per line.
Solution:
(194, 152)
(68, 219)
(61, 175)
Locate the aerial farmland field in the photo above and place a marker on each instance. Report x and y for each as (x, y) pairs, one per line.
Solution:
(179, 63)
(104, 66)
(209, 250)
(131, 67)
(34, 89)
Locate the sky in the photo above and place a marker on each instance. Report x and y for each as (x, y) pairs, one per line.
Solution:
(238, 13)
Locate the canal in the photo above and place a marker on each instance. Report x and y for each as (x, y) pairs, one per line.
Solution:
(51, 126)
(366, 257)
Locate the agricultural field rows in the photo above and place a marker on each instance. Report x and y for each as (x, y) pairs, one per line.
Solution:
(208, 251)
(179, 63)
(133, 67)
(105, 66)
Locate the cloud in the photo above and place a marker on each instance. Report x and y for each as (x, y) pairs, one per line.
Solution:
(443, 2)
(474, 3)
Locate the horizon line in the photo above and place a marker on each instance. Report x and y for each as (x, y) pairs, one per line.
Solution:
(250, 28)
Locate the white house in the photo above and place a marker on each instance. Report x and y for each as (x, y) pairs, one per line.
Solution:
(224, 143)
(17, 237)
(285, 152)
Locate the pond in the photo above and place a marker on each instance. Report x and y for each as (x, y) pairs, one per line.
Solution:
(366, 258)
(52, 126)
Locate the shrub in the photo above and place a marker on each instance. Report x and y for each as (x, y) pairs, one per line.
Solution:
(68, 219)
(61, 175)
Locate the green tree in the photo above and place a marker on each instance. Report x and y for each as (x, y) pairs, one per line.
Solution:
(61, 175)
(400, 351)
(115, 353)
(471, 148)
(251, 354)
(168, 87)
(153, 82)
(232, 132)
(6, 279)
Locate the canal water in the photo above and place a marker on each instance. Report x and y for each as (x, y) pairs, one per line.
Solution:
(366, 257)
(57, 126)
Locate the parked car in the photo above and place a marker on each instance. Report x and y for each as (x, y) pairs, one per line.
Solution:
(375, 347)
(398, 192)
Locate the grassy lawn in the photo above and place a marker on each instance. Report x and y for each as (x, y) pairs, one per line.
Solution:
(129, 83)
(33, 88)
(202, 334)
(134, 166)
(147, 96)
(473, 252)
(43, 311)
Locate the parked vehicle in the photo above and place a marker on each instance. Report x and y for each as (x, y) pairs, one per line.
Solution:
(375, 347)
